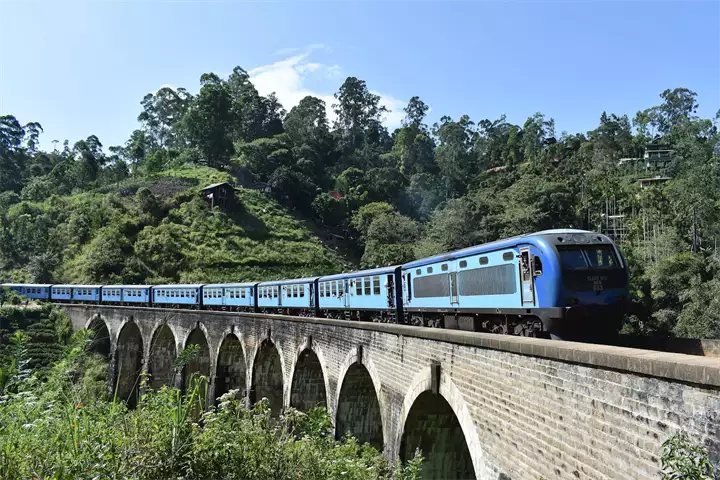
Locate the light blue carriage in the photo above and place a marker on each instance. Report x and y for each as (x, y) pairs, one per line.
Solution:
(297, 294)
(61, 292)
(126, 293)
(230, 295)
(81, 293)
(366, 292)
(30, 290)
(188, 294)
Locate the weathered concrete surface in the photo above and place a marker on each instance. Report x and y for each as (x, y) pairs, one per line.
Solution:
(482, 406)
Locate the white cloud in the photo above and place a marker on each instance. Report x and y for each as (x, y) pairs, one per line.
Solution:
(292, 77)
(394, 117)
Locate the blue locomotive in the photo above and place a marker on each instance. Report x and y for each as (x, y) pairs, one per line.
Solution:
(564, 283)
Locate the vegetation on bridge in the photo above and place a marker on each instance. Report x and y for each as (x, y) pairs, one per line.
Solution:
(132, 214)
(56, 422)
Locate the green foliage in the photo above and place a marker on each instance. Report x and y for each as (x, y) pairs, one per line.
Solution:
(681, 459)
(61, 425)
(364, 217)
(389, 240)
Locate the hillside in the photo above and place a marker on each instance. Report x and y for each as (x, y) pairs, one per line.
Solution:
(158, 229)
(132, 213)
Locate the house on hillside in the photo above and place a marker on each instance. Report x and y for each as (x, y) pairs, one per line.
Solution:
(219, 195)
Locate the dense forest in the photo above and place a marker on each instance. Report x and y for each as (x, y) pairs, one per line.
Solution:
(132, 213)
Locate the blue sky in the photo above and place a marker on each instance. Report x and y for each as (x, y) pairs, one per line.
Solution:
(81, 68)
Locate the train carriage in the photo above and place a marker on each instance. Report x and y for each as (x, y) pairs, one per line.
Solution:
(131, 294)
(77, 293)
(187, 295)
(61, 293)
(30, 290)
(293, 296)
(365, 295)
(229, 296)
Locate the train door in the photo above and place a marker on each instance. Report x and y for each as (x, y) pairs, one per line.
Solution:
(390, 290)
(454, 300)
(408, 287)
(527, 291)
(281, 290)
(345, 291)
(311, 289)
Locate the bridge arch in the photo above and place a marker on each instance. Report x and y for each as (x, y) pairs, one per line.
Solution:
(268, 375)
(309, 385)
(102, 342)
(450, 433)
(201, 364)
(128, 362)
(359, 405)
(231, 370)
(161, 355)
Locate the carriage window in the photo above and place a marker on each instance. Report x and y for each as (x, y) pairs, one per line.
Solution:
(444, 267)
(358, 286)
(429, 269)
(275, 292)
(463, 263)
(302, 290)
(368, 288)
(418, 271)
(376, 285)
(296, 291)
(243, 293)
(485, 261)
(508, 256)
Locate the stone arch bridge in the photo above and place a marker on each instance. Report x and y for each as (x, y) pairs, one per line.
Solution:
(478, 405)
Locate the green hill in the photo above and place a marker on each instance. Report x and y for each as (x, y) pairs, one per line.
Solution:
(160, 230)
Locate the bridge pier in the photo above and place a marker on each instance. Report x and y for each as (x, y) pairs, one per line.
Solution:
(478, 405)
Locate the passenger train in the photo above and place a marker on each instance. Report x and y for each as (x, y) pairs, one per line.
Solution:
(567, 284)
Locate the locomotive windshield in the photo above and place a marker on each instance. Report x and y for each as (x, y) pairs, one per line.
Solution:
(581, 257)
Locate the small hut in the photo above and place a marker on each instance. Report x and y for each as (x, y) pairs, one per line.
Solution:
(218, 195)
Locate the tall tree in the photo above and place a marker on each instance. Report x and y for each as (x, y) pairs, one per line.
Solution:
(537, 132)
(209, 121)
(455, 155)
(357, 110)
(12, 155)
(161, 111)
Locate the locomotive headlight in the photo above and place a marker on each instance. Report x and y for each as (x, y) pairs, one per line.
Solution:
(572, 301)
(579, 238)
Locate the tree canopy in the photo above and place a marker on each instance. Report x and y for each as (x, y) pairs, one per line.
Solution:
(390, 196)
